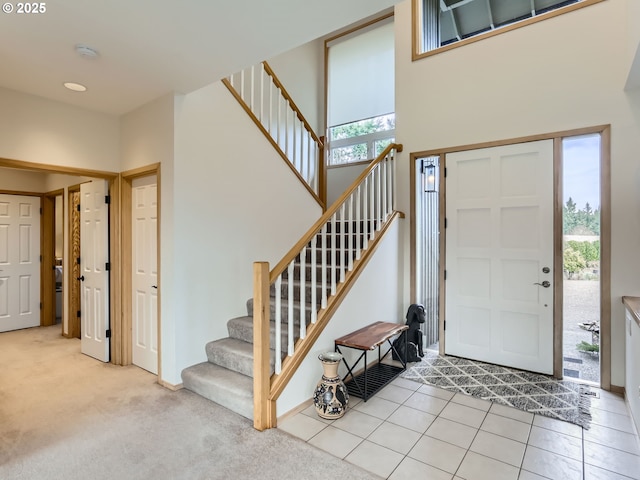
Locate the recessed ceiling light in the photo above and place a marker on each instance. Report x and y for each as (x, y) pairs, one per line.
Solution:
(76, 87)
(85, 51)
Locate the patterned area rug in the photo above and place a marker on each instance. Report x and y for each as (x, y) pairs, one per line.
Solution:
(533, 392)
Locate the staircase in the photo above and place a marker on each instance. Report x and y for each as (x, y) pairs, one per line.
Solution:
(227, 376)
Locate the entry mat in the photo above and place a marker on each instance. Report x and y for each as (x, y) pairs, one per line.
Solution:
(532, 392)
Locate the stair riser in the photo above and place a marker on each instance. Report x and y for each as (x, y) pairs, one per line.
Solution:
(245, 333)
(341, 240)
(284, 310)
(232, 360)
(351, 227)
(236, 397)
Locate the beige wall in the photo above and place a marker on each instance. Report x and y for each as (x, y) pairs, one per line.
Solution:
(235, 202)
(298, 71)
(22, 180)
(556, 75)
(33, 129)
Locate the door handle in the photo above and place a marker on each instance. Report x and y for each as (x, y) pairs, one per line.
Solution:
(545, 284)
(154, 286)
(80, 278)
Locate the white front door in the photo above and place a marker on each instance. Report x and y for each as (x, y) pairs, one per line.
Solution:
(145, 272)
(19, 262)
(499, 252)
(94, 270)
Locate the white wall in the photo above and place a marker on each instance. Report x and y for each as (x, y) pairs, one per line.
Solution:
(33, 129)
(235, 202)
(301, 72)
(341, 178)
(559, 74)
(376, 296)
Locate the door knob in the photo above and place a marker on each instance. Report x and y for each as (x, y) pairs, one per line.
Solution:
(544, 284)
(80, 278)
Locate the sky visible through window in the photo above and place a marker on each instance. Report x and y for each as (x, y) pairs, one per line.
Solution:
(581, 169)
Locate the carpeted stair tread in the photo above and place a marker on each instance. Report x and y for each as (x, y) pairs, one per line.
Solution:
(222, 386)
(241, 328)
(234, 354)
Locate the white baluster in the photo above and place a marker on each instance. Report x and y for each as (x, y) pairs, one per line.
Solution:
(242, 84)
(358, 216)
(286, 129)
(231, 81)
(278, 345)
(333, 254)
(379, 196)
(303, 293)
(372, 205)
(270, 108)
(262, 74)
(278, 121)
(290, 309)
(252, 83)
(323, 274)
(343, 241)
(384, 188)
(314, 280)
(365, 212)
(350, 233)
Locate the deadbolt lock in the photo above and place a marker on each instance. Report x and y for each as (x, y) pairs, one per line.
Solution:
(546, 269)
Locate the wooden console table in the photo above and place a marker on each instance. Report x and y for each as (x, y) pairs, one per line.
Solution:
(368, 338)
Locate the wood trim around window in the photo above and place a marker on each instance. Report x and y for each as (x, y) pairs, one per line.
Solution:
(605, 235)
(416, 28)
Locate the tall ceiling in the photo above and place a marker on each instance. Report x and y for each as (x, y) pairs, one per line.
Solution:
(148, 48)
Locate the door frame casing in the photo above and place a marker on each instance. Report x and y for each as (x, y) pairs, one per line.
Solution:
(126, 179)
(114, 234)
(605, 236)
(47, 250)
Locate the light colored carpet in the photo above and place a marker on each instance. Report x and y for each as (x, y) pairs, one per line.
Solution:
(66, 416)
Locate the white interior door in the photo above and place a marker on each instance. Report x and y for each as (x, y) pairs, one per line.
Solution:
(94, 259)
(499, 250)
(19, 262)
(145, 272)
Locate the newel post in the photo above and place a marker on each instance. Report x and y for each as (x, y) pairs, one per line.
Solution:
(263, 408)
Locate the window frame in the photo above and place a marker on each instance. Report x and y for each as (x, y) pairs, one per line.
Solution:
(416, 28)
(370, 139)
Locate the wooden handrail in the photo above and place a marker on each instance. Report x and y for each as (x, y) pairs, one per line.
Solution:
(270, 139)
(294, 107)
(295, 250)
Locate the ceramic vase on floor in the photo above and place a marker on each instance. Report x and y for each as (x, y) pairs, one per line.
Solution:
(331, 396)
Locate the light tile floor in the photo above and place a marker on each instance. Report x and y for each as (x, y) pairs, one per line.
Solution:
(413, 431)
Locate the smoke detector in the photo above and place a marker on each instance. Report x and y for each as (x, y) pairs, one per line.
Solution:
(86, 52)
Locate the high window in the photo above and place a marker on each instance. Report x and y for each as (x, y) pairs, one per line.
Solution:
(445, 24)
(360, 93)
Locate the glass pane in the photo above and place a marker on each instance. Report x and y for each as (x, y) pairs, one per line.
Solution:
(363, 127)
(352, 153)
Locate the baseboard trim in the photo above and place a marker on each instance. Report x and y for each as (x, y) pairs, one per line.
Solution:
(170, 386)
(618, 389)
(294, 411)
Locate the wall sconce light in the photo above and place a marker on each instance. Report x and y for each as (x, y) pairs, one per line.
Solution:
(430, 175)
